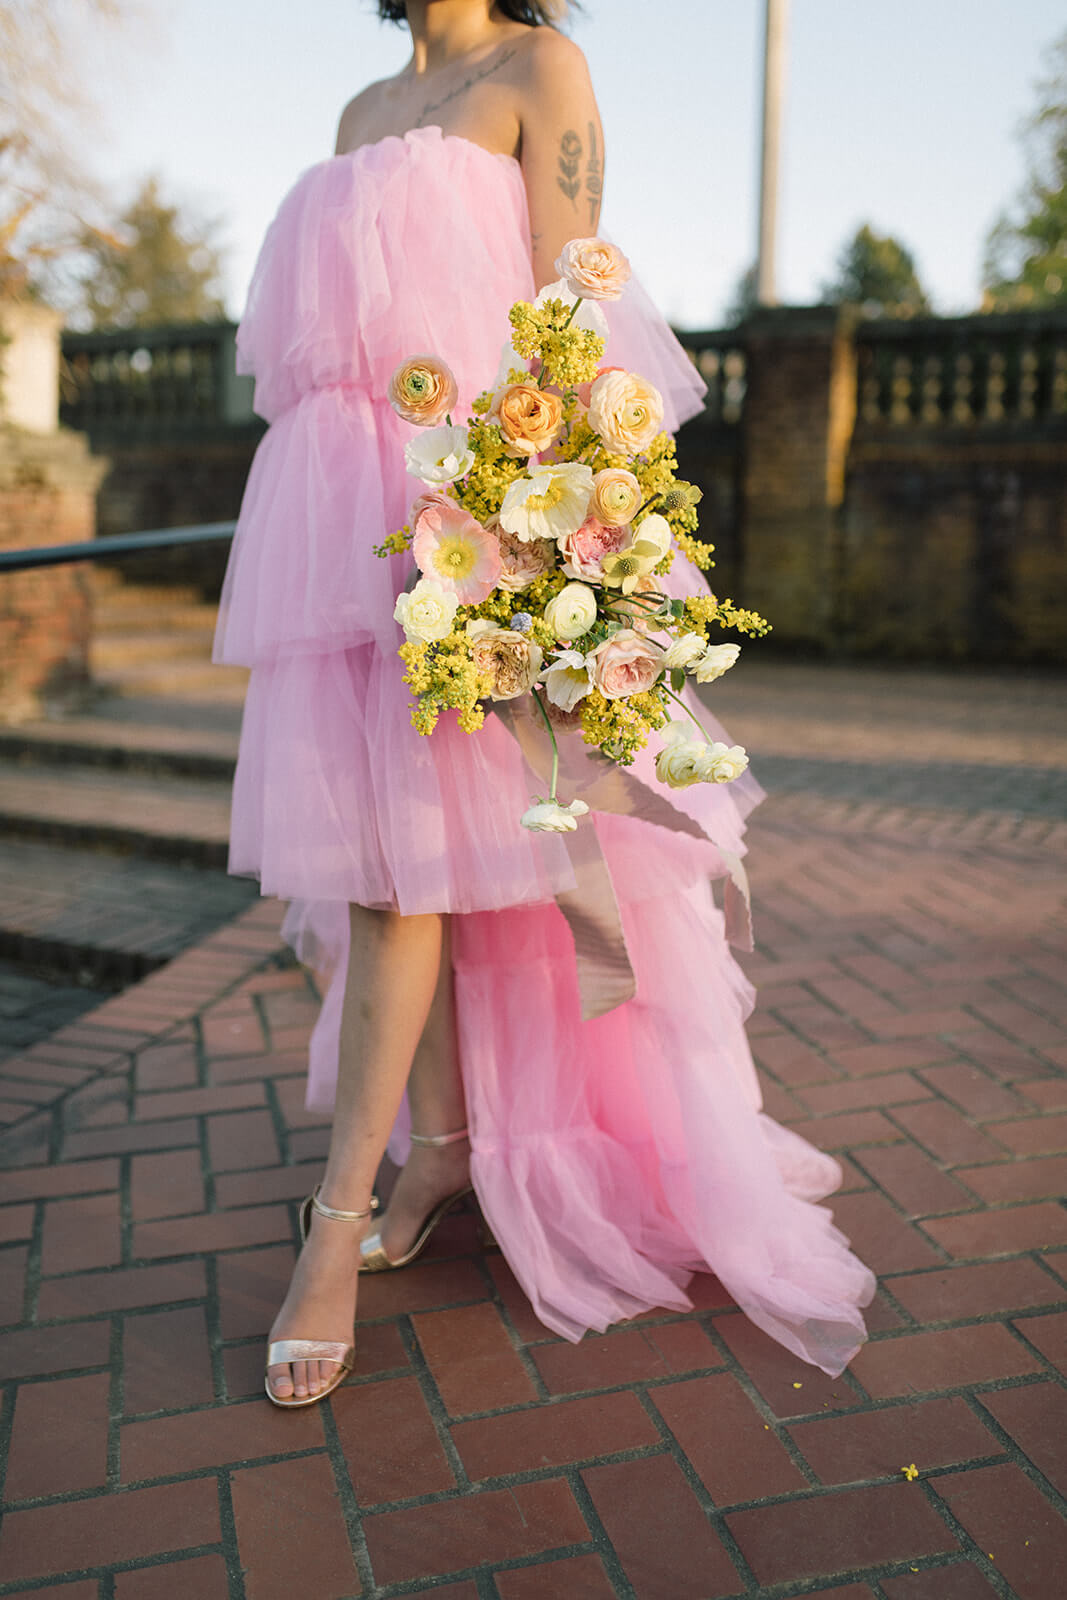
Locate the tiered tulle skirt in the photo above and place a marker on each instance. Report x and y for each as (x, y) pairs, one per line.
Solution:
(612, 1157)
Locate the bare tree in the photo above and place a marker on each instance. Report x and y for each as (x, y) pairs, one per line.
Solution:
(46, 194)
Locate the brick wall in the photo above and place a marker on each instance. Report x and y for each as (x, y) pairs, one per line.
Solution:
(48, 484)
(924, 527)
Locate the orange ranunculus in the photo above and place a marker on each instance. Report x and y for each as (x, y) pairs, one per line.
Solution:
(529, 418)
(423, 390)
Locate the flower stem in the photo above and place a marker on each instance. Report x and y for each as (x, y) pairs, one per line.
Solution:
(552, 736)
(679, 701)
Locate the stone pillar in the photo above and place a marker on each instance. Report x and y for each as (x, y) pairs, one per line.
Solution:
(799, 414)
(29, 365)
(48, 484)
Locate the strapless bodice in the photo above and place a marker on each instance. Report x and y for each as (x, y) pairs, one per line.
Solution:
(379, 254)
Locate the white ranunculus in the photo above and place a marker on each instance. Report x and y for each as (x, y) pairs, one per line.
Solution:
(654, 530)
(427, 613)
(572, 612)
(717, 659)
(567, 679)
(681, 760)
(681, 653)
(439, 455)
(548, 816)
(722, 763)
(548, 503)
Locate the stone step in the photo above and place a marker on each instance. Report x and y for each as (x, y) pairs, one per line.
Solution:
(111, 619)
(104, 919)
(154, 817)
(152, 746)
(113, 590)
(183, 680)
(120, 650)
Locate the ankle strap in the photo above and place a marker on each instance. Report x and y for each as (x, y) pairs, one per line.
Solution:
(343, 1216)
(438, 1139)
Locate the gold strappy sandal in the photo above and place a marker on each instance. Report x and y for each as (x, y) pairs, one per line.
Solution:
(285, 1351)
(372, 1253)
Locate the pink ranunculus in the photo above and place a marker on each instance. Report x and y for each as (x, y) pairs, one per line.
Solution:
(625, 664)
(452, 547)
(583, 551)
(429, 497)
(584, 388)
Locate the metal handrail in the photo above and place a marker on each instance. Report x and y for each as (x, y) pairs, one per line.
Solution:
(55, 555)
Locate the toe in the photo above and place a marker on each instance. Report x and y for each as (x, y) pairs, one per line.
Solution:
(281, 1382)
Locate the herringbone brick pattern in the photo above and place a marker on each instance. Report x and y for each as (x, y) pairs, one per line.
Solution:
(912, 1017)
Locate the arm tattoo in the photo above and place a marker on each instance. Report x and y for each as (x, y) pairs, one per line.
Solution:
(569, 158)
(594, 184)
(475, 77)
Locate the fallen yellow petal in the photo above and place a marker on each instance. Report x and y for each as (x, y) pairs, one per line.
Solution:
(798, 1386)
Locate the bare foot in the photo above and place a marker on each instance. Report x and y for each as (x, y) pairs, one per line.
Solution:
(320, 1304)
(427, 1176)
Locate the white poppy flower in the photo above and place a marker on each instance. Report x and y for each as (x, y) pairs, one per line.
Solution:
(717, 659)
(439, 455)
(567, 679)
(548, 503)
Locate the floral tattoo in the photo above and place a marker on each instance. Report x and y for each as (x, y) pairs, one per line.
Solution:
(570, 166)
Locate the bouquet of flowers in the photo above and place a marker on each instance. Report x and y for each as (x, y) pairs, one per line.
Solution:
(544, 529)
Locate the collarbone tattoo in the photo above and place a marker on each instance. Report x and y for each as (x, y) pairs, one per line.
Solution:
(473, 77)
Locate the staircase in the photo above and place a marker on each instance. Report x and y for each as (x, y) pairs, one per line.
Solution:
(114, 825)
(152, 639)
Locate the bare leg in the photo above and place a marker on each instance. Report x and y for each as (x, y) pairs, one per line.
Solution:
(435, 1095)
(389, 987)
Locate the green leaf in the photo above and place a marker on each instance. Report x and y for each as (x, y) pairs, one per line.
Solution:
(677, 679)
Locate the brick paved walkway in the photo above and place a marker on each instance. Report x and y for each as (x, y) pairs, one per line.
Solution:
(913, 1017)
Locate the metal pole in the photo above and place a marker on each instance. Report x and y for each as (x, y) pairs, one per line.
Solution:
(774, 45)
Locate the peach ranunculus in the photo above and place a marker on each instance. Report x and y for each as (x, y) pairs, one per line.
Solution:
(626, 411)
(521, 560)
(625, 664)
(593, 269)
(511, 660)
(529, 418)
(453, 548)
(616, 497)
(423, 390)
(583, 551)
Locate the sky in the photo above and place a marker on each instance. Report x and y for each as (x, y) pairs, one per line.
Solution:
(903, 115)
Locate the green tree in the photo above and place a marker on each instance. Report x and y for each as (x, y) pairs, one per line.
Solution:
(1025, 260)
(157, 264)
(877, 272)
(744, 299)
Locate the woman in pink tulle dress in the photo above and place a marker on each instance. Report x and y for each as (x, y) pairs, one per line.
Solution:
(611, 1157)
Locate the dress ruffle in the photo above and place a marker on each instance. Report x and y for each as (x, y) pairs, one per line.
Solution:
(612, 1157)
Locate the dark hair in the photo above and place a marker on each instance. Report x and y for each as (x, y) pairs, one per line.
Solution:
(535, 13)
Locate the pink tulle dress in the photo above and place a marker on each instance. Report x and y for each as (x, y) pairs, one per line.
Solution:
(612, 1157)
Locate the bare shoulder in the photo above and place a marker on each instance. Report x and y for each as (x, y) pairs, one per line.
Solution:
(358, 115)
(548, 57)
